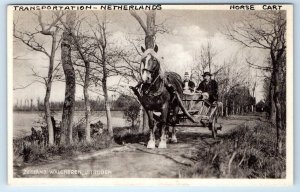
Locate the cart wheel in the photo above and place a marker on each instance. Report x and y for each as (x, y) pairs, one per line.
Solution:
(213, 128)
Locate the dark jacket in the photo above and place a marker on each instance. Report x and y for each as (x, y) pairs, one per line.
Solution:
(191, 85)
(211, 88)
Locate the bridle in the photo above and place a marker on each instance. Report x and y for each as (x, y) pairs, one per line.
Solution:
(150, 86)
(150, 71)
(159, 91)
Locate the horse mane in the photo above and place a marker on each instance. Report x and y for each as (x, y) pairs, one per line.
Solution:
(151, 52)
(174, 79)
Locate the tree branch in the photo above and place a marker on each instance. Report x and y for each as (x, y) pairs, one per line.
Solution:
(138, 18)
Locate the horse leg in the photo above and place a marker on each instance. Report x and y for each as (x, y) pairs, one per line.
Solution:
(173, 123)
(163, 139)
(151, 142)
(173, 138)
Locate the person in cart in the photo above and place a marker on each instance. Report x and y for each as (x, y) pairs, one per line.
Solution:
(209, 88)
(187, 84)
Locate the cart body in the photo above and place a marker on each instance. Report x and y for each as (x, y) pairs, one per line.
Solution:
(204, 112)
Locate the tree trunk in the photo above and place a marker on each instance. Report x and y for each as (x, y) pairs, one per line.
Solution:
(150, 34)
(222, 110)
(272, 103)
(209, 57)
(276, 57)
(48, 115)
(85, 89)
(106, 100)
(145, 122)
(226, 108)
(87, 103)
(141, 119)
(108, 118)
(276, 99)
(69, 103)
(31, 104)
(108, 114)
(48, 91)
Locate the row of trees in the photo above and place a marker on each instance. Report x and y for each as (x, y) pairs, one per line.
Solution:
(236, 89)
(88, 59)
(96, 105)
(267, 32)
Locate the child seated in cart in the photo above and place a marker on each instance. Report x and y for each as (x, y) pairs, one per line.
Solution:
(187, 84)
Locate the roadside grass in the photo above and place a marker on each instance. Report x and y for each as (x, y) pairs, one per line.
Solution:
(25, 151)
(246, 152)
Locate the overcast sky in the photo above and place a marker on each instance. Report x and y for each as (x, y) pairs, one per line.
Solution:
(188, 30)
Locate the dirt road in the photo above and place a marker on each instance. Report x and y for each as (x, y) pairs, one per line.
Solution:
(134, 160)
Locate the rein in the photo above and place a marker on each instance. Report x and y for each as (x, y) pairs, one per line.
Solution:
(151, 85)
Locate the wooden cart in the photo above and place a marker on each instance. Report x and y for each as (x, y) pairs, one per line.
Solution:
(204, 112)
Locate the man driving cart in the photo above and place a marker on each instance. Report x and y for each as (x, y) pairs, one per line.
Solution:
(209, 88)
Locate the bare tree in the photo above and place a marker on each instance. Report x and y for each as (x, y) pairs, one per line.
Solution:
(203, 61)
(266, 31)
(266, 71)
(103, 59)
(131, 71)
(149, 27)
(229, 78)
(83, 52)
(29, 40)
(150, 30)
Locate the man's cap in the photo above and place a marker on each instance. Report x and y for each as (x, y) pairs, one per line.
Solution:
(207, 73)
(186, 73)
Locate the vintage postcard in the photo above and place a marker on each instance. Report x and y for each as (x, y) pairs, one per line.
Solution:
(196, 95)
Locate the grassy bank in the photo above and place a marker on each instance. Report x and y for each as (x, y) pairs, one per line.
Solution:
(246, 152)
(28, 152)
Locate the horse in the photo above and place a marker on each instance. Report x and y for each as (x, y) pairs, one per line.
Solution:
(159, 92)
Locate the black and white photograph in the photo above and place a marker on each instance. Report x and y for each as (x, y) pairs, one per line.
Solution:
(150, 94)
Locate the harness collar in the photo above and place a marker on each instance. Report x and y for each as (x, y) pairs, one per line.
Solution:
(156, 93)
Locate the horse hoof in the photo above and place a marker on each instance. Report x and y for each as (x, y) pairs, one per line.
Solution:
(162, 145)
(174, 140)
(151, 144)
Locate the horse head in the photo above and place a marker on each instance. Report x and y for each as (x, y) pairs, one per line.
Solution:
(150, 65)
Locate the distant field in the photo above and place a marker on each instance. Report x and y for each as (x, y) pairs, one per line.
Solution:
(23, 121)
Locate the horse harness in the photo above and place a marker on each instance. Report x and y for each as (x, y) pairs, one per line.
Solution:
(156, 93)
